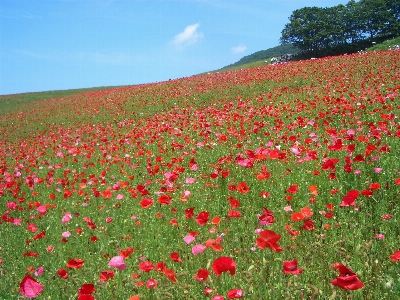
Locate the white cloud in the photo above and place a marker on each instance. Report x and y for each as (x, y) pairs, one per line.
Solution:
(188, 37)
(238, 49)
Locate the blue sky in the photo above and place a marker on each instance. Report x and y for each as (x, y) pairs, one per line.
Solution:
(67, 44)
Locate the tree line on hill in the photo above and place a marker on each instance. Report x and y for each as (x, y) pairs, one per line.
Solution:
(342, 28)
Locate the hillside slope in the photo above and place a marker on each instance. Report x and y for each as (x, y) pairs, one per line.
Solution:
(265, 54)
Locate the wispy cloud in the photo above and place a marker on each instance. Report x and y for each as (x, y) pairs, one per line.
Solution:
(238, 49)
(187, 37)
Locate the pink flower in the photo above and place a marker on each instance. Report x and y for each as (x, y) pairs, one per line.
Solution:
(120, 196)
(42, 209)
(288, 208)
(151, 283)
(66, 234)
(190, 180)
(189, 238)
(66, 218)
(29, 287)
(380, 236)
(12, 205)
(117, 262)
(196, 249)
(39, 271)
(186, 193)
(351, 132)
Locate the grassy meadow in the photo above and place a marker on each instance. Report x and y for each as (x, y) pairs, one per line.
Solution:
(273, 182)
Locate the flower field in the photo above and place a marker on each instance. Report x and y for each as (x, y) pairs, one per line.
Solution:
(277, 182)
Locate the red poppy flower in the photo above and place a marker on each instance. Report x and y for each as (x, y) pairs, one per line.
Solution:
(62, 273)
(146, 266)
(164, 199)
(269, 239)
(308, 225)
(233, 202)
(369, 149)
(267, 217)
(161, 266)
(349, 198)
(243, 188)
(86, 289)
(264, 174)
(39, 235)
(125, 253)
(106, 275)
(151, 283)
(367, 193)
(86, 297)
(146, 202)
(306, 212)
(75, 263)
(107, 194)
(67, 193)
(293, 189)
(215, 244)
(395, 256)
(290, 267)
(358, 158)
(170, 275)
(202, 275)
(32, 227)
(224, 264)
(375, 186)
(189, 212)
(202, 218)
(216, 220)
(347, 280)
(175, 257)
(235, 294)
(234, 214)
(313, 190)
(297, 216)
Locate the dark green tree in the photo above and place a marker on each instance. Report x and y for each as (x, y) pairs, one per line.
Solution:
(374, 17)
(305, 30)
(353, 29)
(393, 7)
(342, 28)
